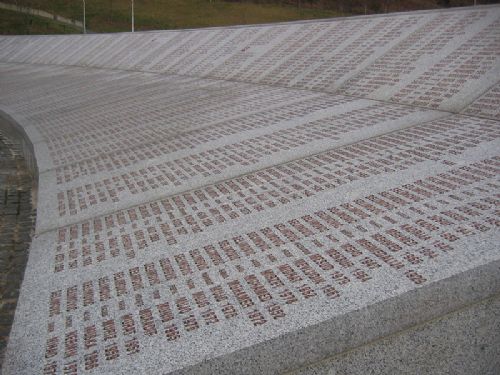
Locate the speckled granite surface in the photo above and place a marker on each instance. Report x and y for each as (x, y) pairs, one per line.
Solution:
(256, 199)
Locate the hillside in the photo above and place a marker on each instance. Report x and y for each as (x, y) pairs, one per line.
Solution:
(14, 23)
(114, 15)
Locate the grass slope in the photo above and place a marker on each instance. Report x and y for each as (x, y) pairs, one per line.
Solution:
(114, 15)
(18, 23)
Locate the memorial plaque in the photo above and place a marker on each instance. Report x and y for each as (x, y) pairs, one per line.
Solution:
(487, 105)
(254, 199)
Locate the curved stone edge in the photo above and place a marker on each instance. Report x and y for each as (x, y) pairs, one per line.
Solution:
(28, 139)
(35, 151)
(360, 327)
(15, 252)
(13, 128)
(19, 128)
(465, 341)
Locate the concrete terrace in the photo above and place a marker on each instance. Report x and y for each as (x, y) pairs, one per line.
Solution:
(300, 197)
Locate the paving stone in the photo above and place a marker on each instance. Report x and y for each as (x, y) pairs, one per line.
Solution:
(16, 223)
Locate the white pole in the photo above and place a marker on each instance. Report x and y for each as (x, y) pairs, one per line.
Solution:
(84, 29)
(132, 15)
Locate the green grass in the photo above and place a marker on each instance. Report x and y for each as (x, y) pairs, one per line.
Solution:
(19, 23)
(114, 15)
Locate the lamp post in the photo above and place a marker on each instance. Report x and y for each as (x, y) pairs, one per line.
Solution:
(132, 15)
(84, 29)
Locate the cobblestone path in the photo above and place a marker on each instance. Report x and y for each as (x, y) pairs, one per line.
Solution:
(16, 223)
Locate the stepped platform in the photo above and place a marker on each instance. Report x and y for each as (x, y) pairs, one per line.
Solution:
(300, 198)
